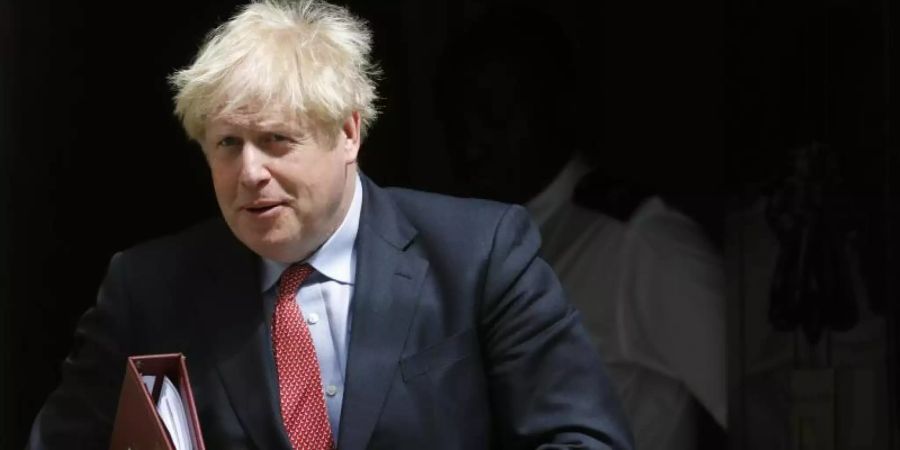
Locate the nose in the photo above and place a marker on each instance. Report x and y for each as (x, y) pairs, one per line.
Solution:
(254, 173)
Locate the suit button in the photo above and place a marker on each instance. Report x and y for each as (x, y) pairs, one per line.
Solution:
(312, 319)
(331, 390)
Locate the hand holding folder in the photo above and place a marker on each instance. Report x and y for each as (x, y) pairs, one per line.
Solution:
(138, 423)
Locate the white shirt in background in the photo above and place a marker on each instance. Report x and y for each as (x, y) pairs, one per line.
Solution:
(651, 293)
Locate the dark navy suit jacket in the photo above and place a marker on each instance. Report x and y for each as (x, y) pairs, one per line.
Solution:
(462, 338)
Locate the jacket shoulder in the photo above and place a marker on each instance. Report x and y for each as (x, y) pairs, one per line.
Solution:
(467, 225)
(428, 206)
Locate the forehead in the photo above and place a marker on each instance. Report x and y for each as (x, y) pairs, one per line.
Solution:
(257, 119)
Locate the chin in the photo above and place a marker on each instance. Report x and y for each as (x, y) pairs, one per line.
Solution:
(273, 250)
(274, 244)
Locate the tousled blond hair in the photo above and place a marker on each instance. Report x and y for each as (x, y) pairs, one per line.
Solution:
(306, 57)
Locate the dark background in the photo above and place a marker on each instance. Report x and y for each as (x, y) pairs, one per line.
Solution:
(701, 99)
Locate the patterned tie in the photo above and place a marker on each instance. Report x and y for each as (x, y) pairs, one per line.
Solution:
(299, 382)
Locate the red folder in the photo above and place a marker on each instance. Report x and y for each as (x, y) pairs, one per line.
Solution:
(137, 425)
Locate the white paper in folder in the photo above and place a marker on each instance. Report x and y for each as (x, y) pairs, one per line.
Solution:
(172, 412)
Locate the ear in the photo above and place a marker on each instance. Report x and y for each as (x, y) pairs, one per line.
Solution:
(351, 137)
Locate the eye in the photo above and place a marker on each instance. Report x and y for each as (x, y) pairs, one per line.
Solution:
(228, 141)
(275, 137)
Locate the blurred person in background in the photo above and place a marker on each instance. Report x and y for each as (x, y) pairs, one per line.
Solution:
(645, 277)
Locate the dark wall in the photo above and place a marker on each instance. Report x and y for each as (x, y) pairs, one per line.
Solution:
(6, 401)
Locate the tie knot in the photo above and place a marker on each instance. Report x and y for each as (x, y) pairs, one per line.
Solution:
(292, 278)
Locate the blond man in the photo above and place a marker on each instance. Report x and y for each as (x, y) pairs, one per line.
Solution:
(321, 310)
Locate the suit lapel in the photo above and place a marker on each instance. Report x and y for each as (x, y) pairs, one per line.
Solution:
(237, 331)
(384, 300)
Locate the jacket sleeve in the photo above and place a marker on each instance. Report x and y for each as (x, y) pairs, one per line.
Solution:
(548, 386)
(80, 412)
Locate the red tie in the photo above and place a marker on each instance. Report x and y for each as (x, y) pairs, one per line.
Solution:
(299, 382)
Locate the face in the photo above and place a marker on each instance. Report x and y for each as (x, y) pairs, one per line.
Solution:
(283, 185)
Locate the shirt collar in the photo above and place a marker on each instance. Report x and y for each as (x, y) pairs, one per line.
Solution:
(559, 192)
(335, 258)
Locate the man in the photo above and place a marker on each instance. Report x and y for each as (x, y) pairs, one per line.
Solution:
(649, 284)
(323, 310)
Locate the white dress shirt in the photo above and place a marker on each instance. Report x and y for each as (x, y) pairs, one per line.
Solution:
(651, 293)
(324, 299)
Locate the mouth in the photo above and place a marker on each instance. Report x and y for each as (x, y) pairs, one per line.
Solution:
(263, 209)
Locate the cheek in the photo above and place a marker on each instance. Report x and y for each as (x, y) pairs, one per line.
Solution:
(223, 181)
(316, 176)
